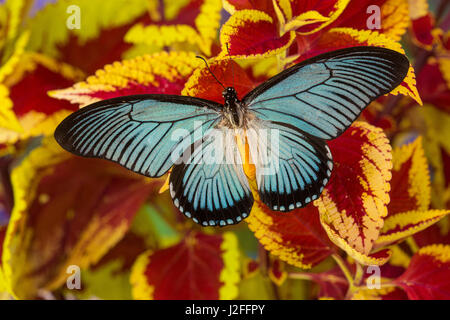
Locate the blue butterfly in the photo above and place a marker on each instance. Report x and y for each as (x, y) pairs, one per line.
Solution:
(303, 106)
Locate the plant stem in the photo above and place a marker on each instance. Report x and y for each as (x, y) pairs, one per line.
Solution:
(300, 276)
(348, 275)
(359, 274)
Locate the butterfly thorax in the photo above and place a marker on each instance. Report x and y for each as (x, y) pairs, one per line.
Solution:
(234, 111)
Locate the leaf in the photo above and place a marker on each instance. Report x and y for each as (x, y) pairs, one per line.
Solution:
(36, 113)
(61, 218)
(432, 86)
(402, 225)
(277, 272)
(8, 119)
(3, 285)
(48, 27)
(109, 277)
(256, 287)
(332, 284)
(338, 38)
(410, 183)
(394, 16)
(307, 17)
(263, 5)
(422, 28)
(389, 293)
(200, 30)
(202, 84)
(163, 73)
(437, 148)
(354, 203)
(410, 196)
(421, 23)
(201, 266)
(252, 34)
(12, 61)
(428, 275)
(435, 234)
(295, 237)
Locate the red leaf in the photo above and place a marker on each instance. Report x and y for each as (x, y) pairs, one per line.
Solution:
(200, 267)
(428, 275)
(353, 204)
(422, 28)
(44, 75)
(203, 85)
(252, 33)
(296, 237)
(332, 283)
(410, 183)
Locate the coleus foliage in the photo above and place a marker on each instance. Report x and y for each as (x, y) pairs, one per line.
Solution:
(381, 207)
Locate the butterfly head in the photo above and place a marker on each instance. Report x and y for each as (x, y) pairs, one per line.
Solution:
(230, 95)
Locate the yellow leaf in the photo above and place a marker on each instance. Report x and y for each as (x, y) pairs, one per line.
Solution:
(417, 8)
(395, 18)
(8, 119)
(402, 225)
(11, 63)
(141, 74)
(411, 158)
(313, 17)
(205, 31)
(48, 27)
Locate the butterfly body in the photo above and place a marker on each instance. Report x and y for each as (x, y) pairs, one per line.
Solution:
(283, 123)
(234, 111)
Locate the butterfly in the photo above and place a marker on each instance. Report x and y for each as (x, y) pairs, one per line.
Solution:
(303, 107)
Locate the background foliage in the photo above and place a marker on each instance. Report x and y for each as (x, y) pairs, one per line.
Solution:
(386, 204)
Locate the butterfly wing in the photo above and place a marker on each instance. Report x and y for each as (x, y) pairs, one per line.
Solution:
(324, 95)
(211, 187)
(292, 168)
(142, 133)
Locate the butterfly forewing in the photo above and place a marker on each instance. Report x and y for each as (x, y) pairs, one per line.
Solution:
(139, 132)
(324, 95)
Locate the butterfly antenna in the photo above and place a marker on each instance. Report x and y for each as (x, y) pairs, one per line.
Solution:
(211, 71)
(232, 68)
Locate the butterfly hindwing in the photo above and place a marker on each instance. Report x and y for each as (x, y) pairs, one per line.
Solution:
(212, 192)
(324, 95)
(292, 168)
(138, 132)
